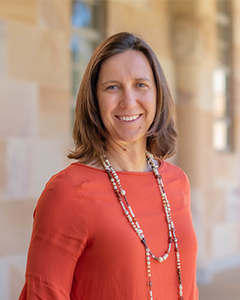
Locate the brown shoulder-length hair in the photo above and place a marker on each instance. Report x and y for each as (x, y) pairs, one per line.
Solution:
(89, 133)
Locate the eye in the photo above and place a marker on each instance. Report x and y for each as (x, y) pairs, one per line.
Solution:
(141, 84)
(112, 87)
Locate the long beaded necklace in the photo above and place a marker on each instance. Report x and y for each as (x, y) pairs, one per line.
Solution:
(121, 197)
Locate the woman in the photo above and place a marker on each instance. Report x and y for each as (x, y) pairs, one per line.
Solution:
(116, 224)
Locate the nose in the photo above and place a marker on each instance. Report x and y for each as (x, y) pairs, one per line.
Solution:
(128, 98)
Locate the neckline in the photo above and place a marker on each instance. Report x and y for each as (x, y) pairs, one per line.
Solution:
(161, 164)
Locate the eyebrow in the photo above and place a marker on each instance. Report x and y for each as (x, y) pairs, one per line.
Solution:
(109, 81)
(116, 81)
(142, 78)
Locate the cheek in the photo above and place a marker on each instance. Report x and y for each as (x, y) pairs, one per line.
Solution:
(106, 105)
(152, 107)
(105, 110)
(101, 104)
(151, 104)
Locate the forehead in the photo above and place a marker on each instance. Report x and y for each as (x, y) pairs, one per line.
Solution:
(128, 62)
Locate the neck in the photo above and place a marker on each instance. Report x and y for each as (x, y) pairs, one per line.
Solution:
(127, 158)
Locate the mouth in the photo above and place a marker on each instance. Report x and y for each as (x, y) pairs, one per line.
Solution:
(129, 118)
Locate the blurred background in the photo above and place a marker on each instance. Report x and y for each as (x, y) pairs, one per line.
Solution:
(45, 46)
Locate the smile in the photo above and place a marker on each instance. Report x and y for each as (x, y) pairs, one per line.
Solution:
(128, 118)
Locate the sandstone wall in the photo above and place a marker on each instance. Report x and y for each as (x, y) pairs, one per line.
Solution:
(35, 125)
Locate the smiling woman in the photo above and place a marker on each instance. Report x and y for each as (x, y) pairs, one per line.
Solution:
(116, 224)
(126, 93)
(161, 135)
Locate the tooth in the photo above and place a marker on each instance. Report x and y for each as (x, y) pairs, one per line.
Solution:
(128, 118)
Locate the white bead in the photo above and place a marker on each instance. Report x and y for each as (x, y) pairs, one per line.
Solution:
(129, 218)
(123, 192)
(137, 225)
(165, 256)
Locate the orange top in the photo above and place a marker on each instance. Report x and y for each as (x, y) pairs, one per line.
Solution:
(83, 247)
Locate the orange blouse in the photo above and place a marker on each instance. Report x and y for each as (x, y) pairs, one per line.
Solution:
(83, 247)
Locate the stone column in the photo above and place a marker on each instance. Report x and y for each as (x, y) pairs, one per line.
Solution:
(193, 49)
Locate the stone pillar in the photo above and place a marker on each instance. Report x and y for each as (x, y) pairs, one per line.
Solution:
(236, 76)
(193, 48)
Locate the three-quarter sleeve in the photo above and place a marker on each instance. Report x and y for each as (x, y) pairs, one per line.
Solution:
(58, 239)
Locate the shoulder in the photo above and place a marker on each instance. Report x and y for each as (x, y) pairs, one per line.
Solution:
(174, 171)
(62, 194)
(71, 182)
(62, 186)
(72, 176)
(67, 175)
(175, 178)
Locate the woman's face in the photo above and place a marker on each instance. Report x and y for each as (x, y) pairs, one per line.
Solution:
(126, 93)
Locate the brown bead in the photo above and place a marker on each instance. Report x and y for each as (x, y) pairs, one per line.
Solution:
(149, 283)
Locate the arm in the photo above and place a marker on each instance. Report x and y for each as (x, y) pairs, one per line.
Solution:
(58, 239)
